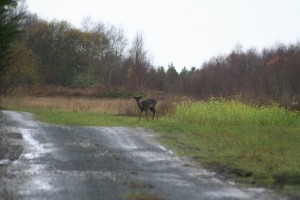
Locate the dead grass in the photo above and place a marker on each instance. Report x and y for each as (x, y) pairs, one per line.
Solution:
(77, 104)
(123, 107)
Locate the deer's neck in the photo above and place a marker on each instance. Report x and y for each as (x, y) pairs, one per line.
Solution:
(139, 104)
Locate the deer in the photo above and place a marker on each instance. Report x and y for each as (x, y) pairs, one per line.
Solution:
(148, 104)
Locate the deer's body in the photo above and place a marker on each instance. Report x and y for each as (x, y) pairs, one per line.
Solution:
(148, 104)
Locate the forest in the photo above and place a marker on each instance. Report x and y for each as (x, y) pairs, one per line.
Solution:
(98, 57)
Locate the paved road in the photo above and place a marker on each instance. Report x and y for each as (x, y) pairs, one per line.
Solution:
(59, 162)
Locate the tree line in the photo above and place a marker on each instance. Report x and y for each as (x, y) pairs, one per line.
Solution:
(59, 54)
(272, 74)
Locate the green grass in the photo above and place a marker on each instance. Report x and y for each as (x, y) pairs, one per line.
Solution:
(256, 145)
(70, 118)
(257, 155)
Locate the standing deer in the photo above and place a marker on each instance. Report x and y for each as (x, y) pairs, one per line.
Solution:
(145, 105)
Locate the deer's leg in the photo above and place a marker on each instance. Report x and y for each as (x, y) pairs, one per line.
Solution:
(147, 114)
(140, 116)
(153, 111)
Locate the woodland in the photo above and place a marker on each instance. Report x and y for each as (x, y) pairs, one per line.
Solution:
(98, 58)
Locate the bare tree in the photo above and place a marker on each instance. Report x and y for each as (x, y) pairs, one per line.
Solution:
(139, 60)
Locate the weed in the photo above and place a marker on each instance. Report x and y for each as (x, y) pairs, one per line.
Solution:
(233, 113)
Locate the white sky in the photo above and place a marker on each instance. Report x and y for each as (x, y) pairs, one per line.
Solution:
(186, 32)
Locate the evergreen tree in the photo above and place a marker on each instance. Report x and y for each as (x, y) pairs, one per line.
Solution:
(9, 23)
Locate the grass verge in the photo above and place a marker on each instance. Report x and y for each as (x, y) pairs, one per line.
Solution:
(263, 156)
(71, 118)
(255, 145)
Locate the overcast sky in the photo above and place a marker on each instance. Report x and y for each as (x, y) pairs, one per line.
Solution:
(186, 32)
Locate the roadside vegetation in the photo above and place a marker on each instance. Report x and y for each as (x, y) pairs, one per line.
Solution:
(257, 145)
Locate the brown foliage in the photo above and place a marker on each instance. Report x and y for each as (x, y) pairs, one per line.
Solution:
(272, 74)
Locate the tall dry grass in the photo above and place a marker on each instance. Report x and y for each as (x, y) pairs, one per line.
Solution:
(83, 104)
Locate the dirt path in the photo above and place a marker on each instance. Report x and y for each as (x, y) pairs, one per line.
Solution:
(57, 162)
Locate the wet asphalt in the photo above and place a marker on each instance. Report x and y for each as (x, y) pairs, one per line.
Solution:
(59, 162)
